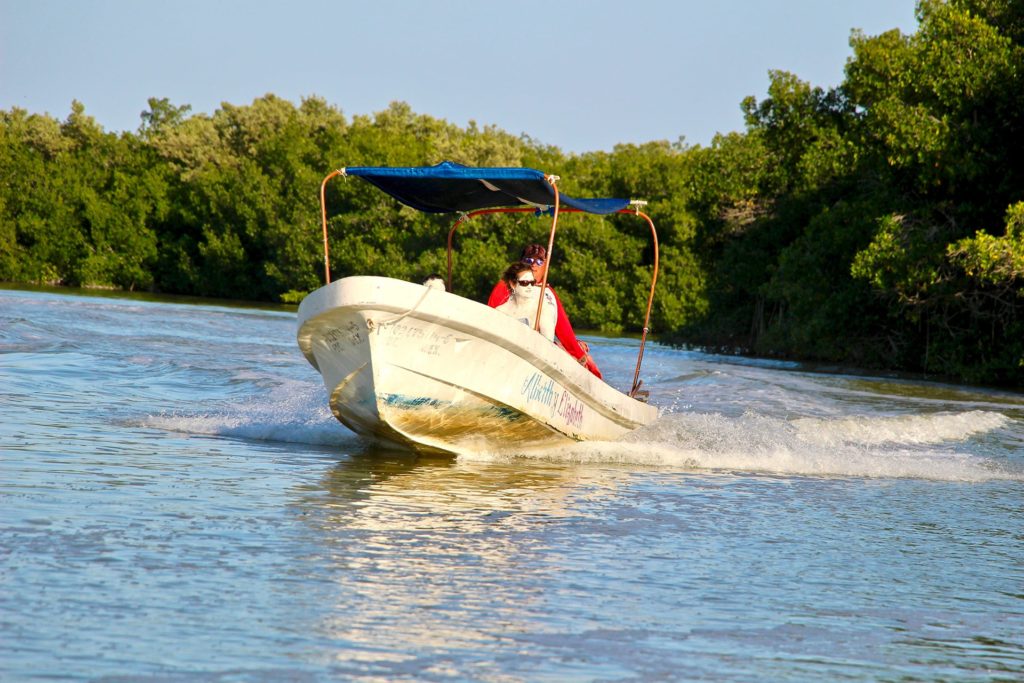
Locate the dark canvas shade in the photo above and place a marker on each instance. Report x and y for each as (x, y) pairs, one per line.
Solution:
(450, 187)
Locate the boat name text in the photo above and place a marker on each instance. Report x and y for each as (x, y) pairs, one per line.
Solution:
(561, 403)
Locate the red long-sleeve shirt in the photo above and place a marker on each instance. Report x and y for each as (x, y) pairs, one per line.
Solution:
(563, 328)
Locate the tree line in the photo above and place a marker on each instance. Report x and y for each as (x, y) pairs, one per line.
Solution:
(879, 223)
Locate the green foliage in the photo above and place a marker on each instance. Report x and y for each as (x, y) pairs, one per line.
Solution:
(864, 227)
(227, 205)
(994, 261)
(75, 203)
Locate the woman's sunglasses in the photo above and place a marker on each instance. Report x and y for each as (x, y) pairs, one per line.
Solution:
(526, 283)
(533, 261)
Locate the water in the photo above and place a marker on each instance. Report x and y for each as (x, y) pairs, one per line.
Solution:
(177, 504)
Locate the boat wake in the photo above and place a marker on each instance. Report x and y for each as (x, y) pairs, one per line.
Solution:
(911, 446)
(952, 446)
(292, 413)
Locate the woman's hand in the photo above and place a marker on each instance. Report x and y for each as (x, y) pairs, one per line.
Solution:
(587, 361)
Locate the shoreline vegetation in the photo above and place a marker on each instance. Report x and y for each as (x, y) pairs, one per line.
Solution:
(878, 224)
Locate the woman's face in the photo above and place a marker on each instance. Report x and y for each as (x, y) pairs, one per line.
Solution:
(525, 275)
(538, 271)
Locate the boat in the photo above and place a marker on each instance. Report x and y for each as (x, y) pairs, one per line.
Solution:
(422, 368)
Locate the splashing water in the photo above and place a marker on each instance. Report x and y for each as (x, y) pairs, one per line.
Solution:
(909, 446)
(294, 412)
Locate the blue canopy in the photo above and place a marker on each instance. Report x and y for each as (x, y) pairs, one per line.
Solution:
(450, 187)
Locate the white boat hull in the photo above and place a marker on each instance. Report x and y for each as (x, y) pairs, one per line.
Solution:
(422, 368)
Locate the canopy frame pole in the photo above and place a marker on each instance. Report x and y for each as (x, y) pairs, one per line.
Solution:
(650, 302)
(635, 388)
(553, 181)
(472, 214)
(323, 216)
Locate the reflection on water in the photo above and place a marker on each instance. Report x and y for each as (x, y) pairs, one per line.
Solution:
(445, 553)
(441, 487)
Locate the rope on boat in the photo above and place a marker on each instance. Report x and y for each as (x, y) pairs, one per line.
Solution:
(377, 324)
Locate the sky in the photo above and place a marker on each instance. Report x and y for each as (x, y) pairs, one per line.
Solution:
(580, 75)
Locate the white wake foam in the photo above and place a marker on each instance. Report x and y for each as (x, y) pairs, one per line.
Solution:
(920, 447)
(935, 446)
(292, 413)
(905, 429)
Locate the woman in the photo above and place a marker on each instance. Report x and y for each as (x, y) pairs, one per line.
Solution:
(534, 256)
(524, 293)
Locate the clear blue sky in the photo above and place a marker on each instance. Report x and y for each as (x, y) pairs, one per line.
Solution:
(582, 75)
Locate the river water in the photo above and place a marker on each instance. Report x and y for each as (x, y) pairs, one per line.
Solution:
(177, 504)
